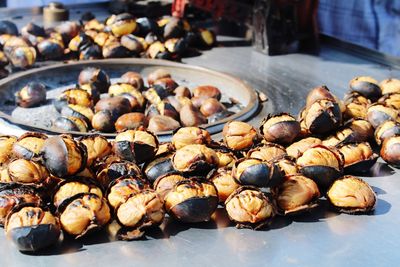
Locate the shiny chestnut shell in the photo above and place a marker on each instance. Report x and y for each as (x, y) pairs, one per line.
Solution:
(29, 145)
(378, 113)
(116, 105)
(390, 150)
(322, 116)
(71, 124)
(129, 121)
(160, 165)
(96, 77)
(161, 123)
(281, 128)
(189, 115)
(366, 86)
(103, 121)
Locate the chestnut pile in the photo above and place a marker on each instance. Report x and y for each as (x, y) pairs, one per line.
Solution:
(162, 105)
(118, 36)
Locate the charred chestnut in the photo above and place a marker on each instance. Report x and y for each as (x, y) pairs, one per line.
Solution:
(239, 135)
(81, 112)
(249, 171)
(156, 75)
(322, 116)
(161, 123)
(141, 210)
(385, 130)
(79, 41)
(8, 27)
(115, 50)
(95, 77)
(390, 150)
(134, 79)
(378, 113)
(122, 188)
(298, 148)
(21, 56)
(33, 94)
(121, 24)
(224, 182)
(160, 165)
(389, 86)
(68, 189)
(90, 51)
(6, 147)
(29, 145)
(51, 49)
(358, 157)
(116, 105)
(71, 124)
(281, 128)
(296, 194)
(248, 207)
(83, 213)
(75, 96)
(26, 172)
(322, 164)
(68, 30)
(351, 195)
(146, 25)
(195, 158)
(63, 156)
(164, 184)
(136, 145)
(192, 200)
(117, 169)
(132, 43)
(173, 28)
(32, 228)
(97, 147)
(267, 152)
(366, 86)
(190, 135)
(103, 121)
(176, 46)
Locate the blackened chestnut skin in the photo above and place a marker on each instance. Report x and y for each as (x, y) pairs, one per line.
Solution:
(96, 77)
(103, 121)
(161, 165)
(33, 94)
(117, 105)
(283, 131)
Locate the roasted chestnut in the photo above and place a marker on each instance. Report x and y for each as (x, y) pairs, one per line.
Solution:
(356, 105)
(267, 152)
(81, 112)
(90, 51)
(322, 164)
(296, 194)
(190, 135)
(97, 147)
(391, 100)
(120, 88)
(226, 158)
(249, 171)
(378, 113)
(385, 130)
(342, 136)
(32, 228)
(195, 158)
(117, 169)
(122, 188)
(158, 50)
(351, 195)
(83, 213)
(94, 93)
(134, 79)
(6, 148)
(121, 24)
(366, 86)
(70, 188)
(94, 24)
(129, 121)
(8, 27)
(239, 135)
(164, 184)
(319, 93)
(182, 91)
(68, 30)
(29, 145)
(21, 56)
(250, 208)
(156, 75)
(362, 129)
(75, 96)
(204, 92)
(281, 128)
(116, 105)
(146, 25)
(211, 106)
(26, 172)
(103, 121)
(192, 200)
(161, 123)
(224, 182)
(79, 41)
(136, 100)
(3, 60)
(63, 156)
(167, 84)
(141, 210)
(389, 86)
(33, 94)
(71, 124)
(287, 165)
(165, 109)
(176, 46)
(156, 94)
(51, 49)
(174, 28)
(298, 148)
(115, 50)
(390, 150)
(206, 38)
(95, 77)
(102, 38)
(132, 43)
(160, 165)
(136, 145)
(358, 157)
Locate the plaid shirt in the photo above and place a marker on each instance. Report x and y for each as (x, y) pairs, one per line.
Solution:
(371, 23)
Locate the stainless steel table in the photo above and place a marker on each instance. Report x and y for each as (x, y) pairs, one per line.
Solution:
(321, 238)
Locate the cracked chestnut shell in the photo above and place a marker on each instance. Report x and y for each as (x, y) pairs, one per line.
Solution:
(190, 135)
(156, 75)
(358, 157)
(322, 164)
(267, 151)
(69, 188)
(160, 165)
(71, 124)
(21, 56)
(140, 211)
(351, 194)
(83, 214)
(75, 96)
(192, 200)
(195, 159)
(239, 135)
(366, 86)
(389, 86)
(378, 113)
(298, 148)
(31, 95)
(281, 128)
(296, 194)
(96, 78)
(224, 182)
(133, 44)
(27, 171)
(51, 49)
(250, 208)
(319, 93)
(226, 157)
(32, 228)
(6, 147)
(390, 150)
(356, 105)
(63, 156)
(255, 172)
(166, 182)
(385, 130)
(136, 145)
(134, 79)
(117, 106)
(391, 100)
(122, 188)
(121, 24)
(287, 165)
(116, 169)
(81, 112)
(322, 116)
(97, 147)
(29, 145)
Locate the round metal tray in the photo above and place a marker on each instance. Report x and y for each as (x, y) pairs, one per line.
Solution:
(62, 76)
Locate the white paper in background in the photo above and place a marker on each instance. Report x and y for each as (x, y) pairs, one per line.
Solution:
(32, 3)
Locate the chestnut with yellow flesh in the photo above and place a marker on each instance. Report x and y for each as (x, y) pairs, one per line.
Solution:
(296, 194)
(390, 86)
(141, 210)
(239, 135)
(224, 182)
(192, 200)
(83, 213)
(356, 110)
(248, 207)
(358, 157)
(267, 152)
(287, 165)
(195, 159)
(297, 148)
(120, 88)
(33, 94)
(390, 150)
(97, 78)
(351, 195)
(362, 129)
(116, 169)
(32, 228)
(385, 130)
(21, 56)
(69, 189)
(97, 147)
(121, 188)
(322, 116)
(225, 159)
(190, 135)
(281, 128)
(391, 100)
(378, 113)
(121, 24)
(26, 171)
(165, 183)
(74, 96)
(6, 147)
(29, 145)
(341, 136)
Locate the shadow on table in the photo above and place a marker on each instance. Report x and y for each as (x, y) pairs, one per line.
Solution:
(380, 170)
(317, 214)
